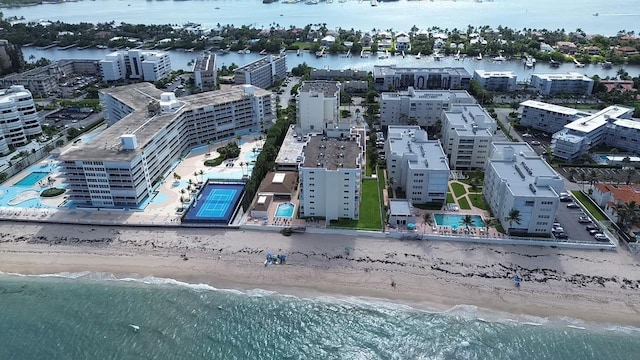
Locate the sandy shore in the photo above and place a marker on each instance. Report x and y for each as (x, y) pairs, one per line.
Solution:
(602, 287)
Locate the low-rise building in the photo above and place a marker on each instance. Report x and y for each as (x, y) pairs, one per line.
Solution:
(566, 47)
(612, 126)
(42, 81)
(19, 120)
(318, 105)
(262, 72)
(416, 165)
(330, 178)
(569, 83)
(549, 118)
(400, 213)
(609, 197)
(420, 107)
(516, 178)
(391, 78)
(335, 74)
(467, 131)
(149, 131)
(496, 80)
(205, 73)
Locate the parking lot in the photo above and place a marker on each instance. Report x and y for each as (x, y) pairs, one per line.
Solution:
(568, 219)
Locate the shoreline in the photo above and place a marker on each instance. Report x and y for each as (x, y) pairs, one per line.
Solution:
(434, 276)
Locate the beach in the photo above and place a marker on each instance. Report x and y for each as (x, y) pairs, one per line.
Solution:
(600, 287)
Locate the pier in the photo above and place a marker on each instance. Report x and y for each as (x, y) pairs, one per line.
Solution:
(46, 47)
(578, 63)
(321, 52)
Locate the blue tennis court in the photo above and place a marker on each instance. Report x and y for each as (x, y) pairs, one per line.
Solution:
(216, 203)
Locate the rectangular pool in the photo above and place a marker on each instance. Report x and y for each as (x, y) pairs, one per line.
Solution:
(32, 179)
(453, 220)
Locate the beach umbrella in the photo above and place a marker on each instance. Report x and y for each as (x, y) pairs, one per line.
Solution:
(411, 225)
(265, 218)
(454, 227)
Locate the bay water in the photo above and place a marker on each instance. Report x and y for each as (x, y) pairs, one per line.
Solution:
(96, 316)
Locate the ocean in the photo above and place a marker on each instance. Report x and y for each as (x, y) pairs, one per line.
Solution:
(96, 316)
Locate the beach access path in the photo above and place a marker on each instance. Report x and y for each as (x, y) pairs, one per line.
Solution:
(601, 287)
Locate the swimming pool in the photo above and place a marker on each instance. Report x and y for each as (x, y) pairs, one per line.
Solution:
(285, 210)
(456, 220)
(32, 179)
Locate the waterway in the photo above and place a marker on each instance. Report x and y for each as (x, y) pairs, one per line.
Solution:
(401, 15)
(181, 60)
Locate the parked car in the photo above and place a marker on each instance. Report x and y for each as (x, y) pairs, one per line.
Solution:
(594, 232)
(561, 236)
(584, 220)
(573, 206)
(565, 198)
(592, 227)
(601, 237)
(535, 142)
(558, 229)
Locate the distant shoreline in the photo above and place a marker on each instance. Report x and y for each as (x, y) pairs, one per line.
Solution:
(436, 276)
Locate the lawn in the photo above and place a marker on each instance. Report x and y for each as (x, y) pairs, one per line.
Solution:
(381, 183)
(458, 189)
(591, 207)
(369, 209)
(478, 201)
(450, 199)
(464, 204)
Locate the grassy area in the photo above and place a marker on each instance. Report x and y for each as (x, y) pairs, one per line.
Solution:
(591, 207)
(381, 185)
(478, 201)
(464, 204)
(369, 209)
(458, 189)
(450, 199)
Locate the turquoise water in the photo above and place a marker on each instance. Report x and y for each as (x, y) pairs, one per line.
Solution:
(32, 179)
(90, 317)
(456, 220)
(285, 210)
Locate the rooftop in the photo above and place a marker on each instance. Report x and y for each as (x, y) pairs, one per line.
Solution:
(437, 95)
(400, 207)
(552, 108)
(278, 182)
(523, 170)
(106, 146)
(602, 117)
(331, 153)
(482, 73)
(413, 140)
(291, 149)
(384, 70)
(566, 76)
(328, 88)
(202, 63)
(263, 61)
(468, 117)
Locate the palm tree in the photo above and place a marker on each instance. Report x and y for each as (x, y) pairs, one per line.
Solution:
(513, 217)
(466, 221)
(176, 176)
(628, 214)
(427, 220)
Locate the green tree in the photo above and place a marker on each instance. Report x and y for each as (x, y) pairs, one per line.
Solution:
(467, 221)
(513, 217)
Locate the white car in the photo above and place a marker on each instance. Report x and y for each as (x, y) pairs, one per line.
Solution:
(601, 237)
(535, 142)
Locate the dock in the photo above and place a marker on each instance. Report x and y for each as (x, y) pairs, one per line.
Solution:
(578, 63)
(46, 47)
(321, 52)
(84, 47)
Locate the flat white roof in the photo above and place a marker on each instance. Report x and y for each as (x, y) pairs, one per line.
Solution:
(413, 140)
(628, 123)
(521, 173)
(262, 199)
(400, 207)
(278, 178)
(566, 76)
(482, 73)
(592, 122)
(551, 107)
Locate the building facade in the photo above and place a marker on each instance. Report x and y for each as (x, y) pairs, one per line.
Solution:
(517, 178)
(330, 178)
(416, 165)
(504, 81)
(135, 64)
(150, 130)
(612, 126)
(392, 78)
(205, 73)
(569, 83)
(263, 72)
(422, 107)
(42, 81)
(19, 120)
(467, 131)
(318, 105)
(549, 118)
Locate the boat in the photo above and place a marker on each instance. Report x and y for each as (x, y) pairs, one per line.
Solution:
(263, 52)
(607, 65)
(499, 58)
(247, 51)
(418, 56)
(554, 64)
(457, 56)
(298, 52)
(102, 47)
(479, 57)
(595, 14)
(374, 2)
(437, 56)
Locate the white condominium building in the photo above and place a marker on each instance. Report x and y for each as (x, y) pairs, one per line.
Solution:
(19, 120)
(466, 136)
(150, 130)
(569, 83)
(611, 126)
(262, 72)
(392, 78)
(318, 105)
(330, 178)
(517, 178)
(496, 80)
(205, 73)
(416, 165)
(135, 64)
(420, 107)
(549, 118)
